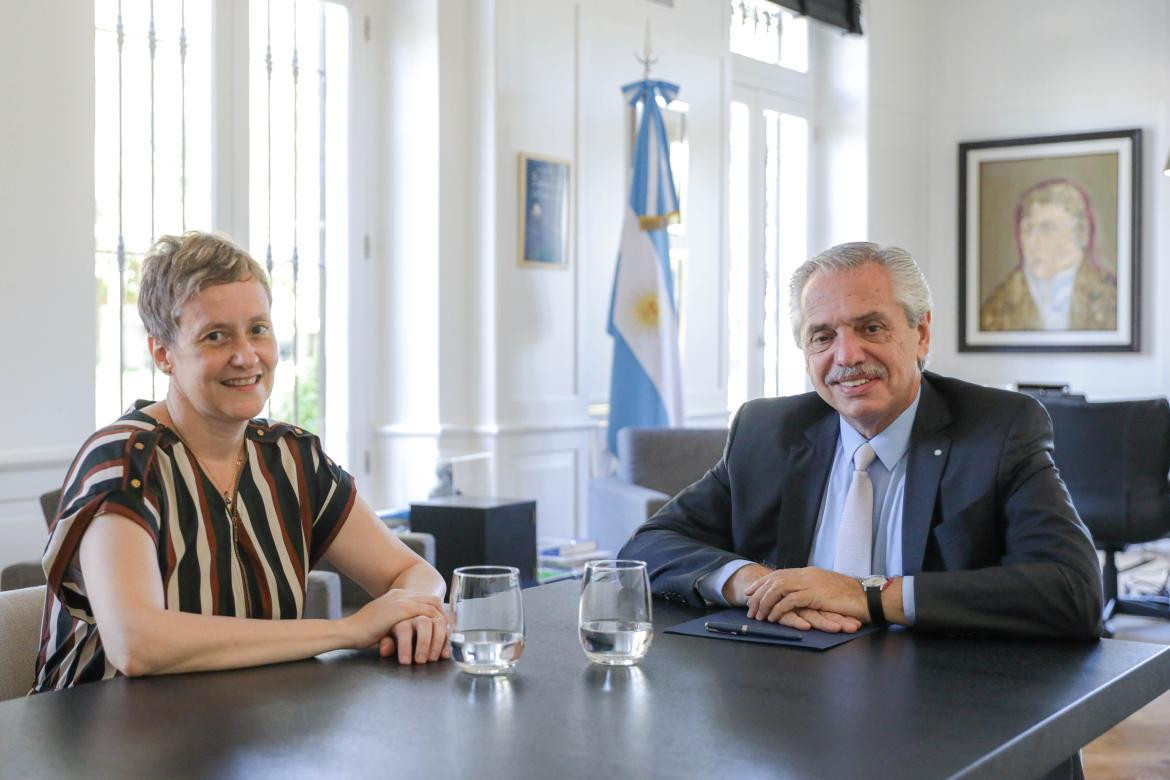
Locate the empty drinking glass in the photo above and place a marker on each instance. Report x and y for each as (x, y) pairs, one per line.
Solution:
(614, 620)
(487, 634)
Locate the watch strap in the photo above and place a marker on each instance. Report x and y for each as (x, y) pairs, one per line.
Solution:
(873, 597)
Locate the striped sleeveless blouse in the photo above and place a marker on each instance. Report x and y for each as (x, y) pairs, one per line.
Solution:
(248, 557)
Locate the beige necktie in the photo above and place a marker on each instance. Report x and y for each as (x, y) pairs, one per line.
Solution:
(855, 532)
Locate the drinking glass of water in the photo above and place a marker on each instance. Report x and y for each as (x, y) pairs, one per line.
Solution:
(487, 634)
(615, 612)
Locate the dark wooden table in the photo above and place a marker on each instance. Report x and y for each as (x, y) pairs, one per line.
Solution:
(892, 704)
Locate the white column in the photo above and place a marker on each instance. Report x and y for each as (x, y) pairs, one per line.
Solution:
(47, 297)
(405, 256)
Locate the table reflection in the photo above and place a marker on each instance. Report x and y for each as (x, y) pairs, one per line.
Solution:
(629, 680)
(497, 691)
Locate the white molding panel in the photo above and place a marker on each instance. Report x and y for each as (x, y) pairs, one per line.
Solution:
(552, 479)
(22, 530)
(402, 468)
(37, 458)
(22, 525)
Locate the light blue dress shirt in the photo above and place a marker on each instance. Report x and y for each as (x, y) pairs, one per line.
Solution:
(888, 475)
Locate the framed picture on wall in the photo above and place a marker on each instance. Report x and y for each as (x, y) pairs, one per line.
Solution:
(544, 212)
(1049, 254)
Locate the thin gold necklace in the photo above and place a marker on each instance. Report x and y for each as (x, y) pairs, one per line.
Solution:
(241, 456)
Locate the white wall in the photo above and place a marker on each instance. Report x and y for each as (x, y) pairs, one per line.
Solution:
(47, 305)
(898, 135)
(947, 71)
(523, 351)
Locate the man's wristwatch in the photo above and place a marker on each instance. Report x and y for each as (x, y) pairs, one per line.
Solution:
(874, 584)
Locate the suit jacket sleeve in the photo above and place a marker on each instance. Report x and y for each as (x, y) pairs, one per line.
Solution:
(1046, 581)
(690, 536)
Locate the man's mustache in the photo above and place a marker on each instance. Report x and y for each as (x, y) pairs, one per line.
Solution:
(852, 373)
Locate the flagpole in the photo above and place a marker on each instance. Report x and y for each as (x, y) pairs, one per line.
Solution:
(647, 57)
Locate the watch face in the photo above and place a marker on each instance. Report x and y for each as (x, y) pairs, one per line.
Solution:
(874, 581)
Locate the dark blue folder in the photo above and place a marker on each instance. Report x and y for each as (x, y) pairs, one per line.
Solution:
(809, 640)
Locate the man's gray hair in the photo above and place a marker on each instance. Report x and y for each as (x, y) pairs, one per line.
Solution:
(910, 288)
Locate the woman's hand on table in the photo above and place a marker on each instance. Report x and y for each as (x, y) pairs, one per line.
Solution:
(412, 623)
(427, 636)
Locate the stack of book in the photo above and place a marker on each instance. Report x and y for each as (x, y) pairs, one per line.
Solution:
(567, 558)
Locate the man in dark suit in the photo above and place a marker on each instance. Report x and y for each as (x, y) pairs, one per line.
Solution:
(888, 495)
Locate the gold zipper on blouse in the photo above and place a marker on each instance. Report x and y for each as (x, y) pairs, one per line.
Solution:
(235, 524)
(229, 501)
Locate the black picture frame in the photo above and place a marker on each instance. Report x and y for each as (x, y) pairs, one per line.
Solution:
(1028, 209)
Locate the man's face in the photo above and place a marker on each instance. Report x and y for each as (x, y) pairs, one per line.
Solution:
(861, 354)
(1048, 237)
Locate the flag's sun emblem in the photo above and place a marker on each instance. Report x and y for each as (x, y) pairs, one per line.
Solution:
(646, 310)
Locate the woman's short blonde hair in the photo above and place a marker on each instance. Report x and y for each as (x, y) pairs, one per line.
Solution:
(179, 267)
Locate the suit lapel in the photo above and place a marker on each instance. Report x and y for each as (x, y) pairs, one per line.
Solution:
(930, 446)
(808, 469)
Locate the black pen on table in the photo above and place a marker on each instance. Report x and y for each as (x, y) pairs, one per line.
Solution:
(744, 629)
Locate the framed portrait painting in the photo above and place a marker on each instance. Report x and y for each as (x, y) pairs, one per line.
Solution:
(1049, 243)
(544, 212)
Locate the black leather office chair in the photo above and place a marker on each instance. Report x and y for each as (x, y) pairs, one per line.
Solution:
(1115, 458)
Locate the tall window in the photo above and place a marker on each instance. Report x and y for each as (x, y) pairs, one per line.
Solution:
(766, 32)
(768, 194)
(297, 139)
(152, 155)
(155, 109)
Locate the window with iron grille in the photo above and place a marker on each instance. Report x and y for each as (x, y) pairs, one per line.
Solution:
(770, 181)
(766, 32)
(157, 118)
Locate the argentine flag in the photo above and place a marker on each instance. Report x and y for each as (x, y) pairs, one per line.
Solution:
(646, 385)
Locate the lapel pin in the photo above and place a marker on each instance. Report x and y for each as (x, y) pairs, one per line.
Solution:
(938, 452)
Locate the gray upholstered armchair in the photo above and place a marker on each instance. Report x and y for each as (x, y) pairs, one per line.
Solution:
(653, 465)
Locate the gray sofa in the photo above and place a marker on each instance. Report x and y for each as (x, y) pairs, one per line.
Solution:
(654, 465)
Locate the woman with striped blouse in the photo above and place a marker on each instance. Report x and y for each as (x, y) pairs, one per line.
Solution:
(187, 528)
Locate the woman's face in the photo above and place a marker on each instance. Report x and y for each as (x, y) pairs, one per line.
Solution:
(224, 355)
(1048, 236)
